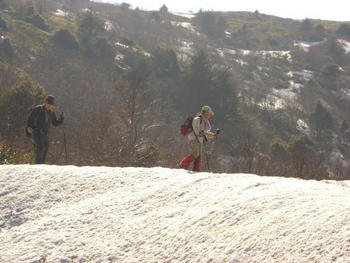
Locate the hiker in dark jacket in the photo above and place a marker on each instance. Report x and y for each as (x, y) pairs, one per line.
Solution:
(38, 127)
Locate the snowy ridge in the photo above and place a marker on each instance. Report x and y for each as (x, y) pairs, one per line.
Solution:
(92, 214)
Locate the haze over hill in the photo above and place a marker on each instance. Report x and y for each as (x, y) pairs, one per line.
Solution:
(126, 79)
(296, 10)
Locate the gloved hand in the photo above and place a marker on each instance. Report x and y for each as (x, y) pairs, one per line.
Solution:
(217, 133)
(61, 118)
(28, 132)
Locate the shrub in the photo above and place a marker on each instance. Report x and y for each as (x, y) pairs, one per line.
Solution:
(104, 49)
(38, 21)
(6, 50)
(147, 156)
(344, 30)
(6, 152)
(3, 24)
(65, 39)
(15, 103)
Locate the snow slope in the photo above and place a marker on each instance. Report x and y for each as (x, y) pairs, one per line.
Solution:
(92, 214)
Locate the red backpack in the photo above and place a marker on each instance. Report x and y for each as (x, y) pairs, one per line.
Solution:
(186, 128)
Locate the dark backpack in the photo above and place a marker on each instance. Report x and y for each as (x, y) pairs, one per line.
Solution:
(186, 128)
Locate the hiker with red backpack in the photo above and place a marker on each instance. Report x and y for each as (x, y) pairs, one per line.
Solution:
(197, 129)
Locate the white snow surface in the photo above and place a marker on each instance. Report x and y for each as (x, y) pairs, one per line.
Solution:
(305, 45)
(100, 214)
(345, 44)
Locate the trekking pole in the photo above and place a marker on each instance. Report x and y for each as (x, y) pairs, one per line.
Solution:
(65, 143)
(209, 153)
(207, 160)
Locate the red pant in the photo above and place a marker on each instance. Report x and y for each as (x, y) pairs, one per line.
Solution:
(186, 162)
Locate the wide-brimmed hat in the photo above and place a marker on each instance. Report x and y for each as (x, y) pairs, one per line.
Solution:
(207, 108)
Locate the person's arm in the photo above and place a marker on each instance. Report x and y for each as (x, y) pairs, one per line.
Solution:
(196, 126)
(55, 121)
(210, 135)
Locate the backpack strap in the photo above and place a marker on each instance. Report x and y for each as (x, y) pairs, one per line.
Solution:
(195, 135)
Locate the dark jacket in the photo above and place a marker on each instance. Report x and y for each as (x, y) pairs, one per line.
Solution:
(40, 119)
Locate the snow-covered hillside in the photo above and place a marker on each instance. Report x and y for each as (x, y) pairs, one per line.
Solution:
(89, 214)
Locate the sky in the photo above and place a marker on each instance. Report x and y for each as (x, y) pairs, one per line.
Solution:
(297, 9)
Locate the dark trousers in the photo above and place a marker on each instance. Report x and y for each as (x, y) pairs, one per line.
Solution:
(41, 146)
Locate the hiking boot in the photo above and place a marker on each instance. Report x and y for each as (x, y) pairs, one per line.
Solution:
(181, 166)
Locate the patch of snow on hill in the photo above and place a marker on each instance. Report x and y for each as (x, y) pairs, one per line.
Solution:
(60, 12)
(346, 92)
(186, 15)
(119, 56)
(281, 98)
(108, 26)
(118, 44)
(185, 51)
(245, 52)
(225, 51)
(100, 214)
(268, 54)
(305, 45)
(187, 26)
(135, 49)
(241, 62)
(295, 86)
(305, 75)
(276, 54)
(345, 44)
(303, 127)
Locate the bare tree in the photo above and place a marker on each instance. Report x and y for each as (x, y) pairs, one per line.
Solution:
(132, 107)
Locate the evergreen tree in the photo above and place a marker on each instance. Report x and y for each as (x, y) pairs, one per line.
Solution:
(306, 25)
(224, 95)
(164, 9)
(125, 5)
(89, 27)
(199, 83)
(165, 63)
(321, 120)
(211, 24)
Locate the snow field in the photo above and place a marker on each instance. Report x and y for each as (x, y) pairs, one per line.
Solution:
(100, 214)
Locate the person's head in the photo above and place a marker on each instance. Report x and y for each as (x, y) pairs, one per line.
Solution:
(49, 102)
(207, 112)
